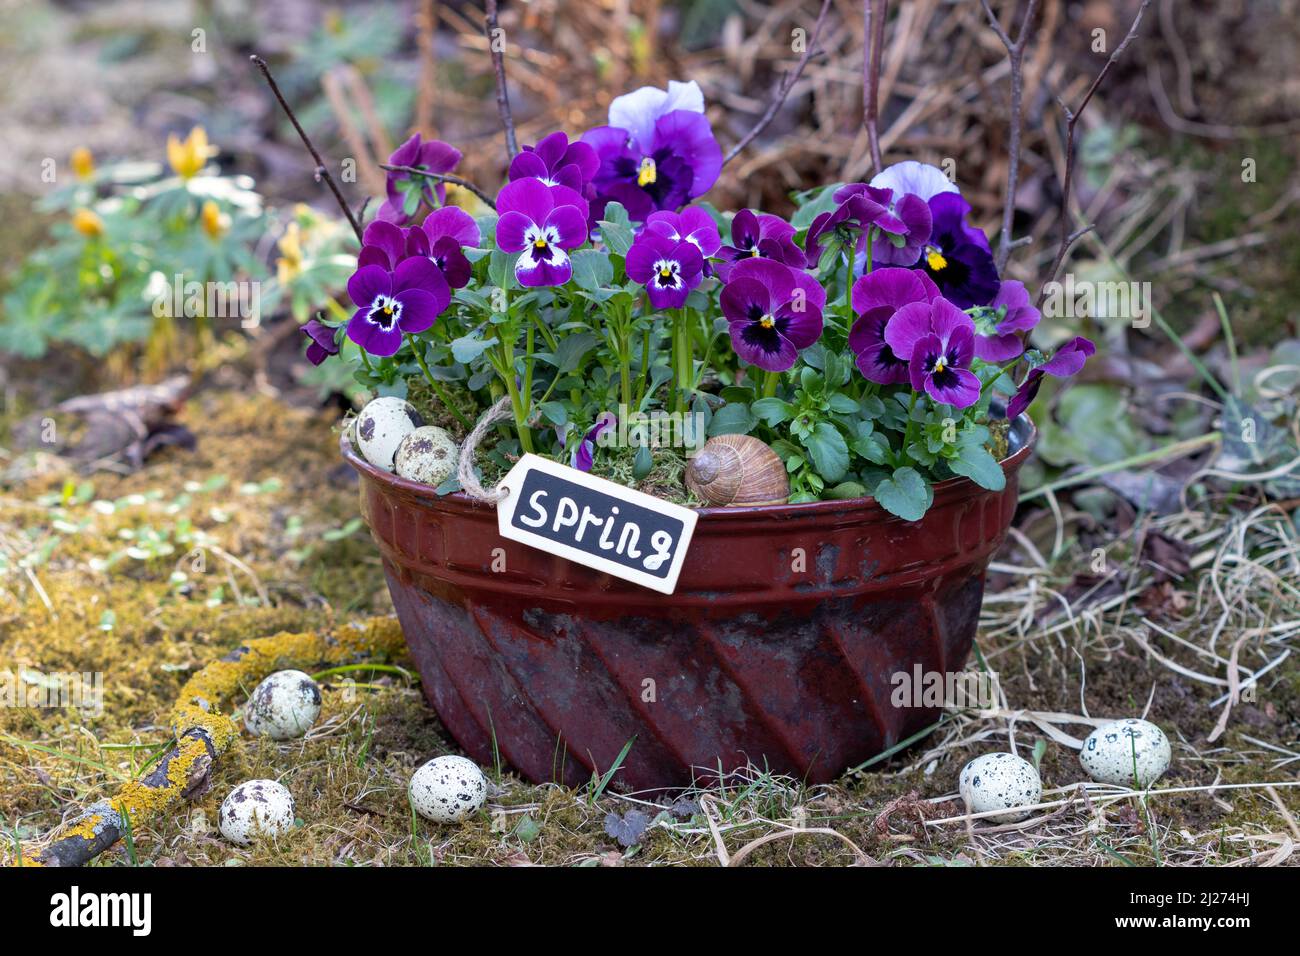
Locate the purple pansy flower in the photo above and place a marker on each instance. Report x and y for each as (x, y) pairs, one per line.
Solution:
(557, 162)
(383, 244)
(859, 207)
(533, 224)
(584, 455)
(760, 234)
(1067, 361)
(441, 237)
(773, 312)
(939, 341)
(957, 256)
(434, 156)
(320, 341)
(999, 342)
(390, 304)
(692, 225)
(876, 298)
(905, 219)
(668, 268)
(658, 151)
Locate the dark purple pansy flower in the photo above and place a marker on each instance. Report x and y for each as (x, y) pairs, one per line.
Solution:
(389, 304)
(320, 341)
(658, 151)
(957, 256)
(441, 237)
(858, 208)
(939, 341)
(876, 298)
(668, 268)
(760, 234)
(557, 162)
(997, 341)
(1068, 360)
(434, 156)
(692, 224)
(383, 244)
(532, 224)
(584, 455)
(773, 312)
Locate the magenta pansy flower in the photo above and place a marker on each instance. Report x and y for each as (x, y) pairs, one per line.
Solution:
(543, 232)
(999, 342)
(390, 304)
(382, 244)
(583, 456)
(557, 162)
(433, 156)
(668, 268)
(692, 224)
(1068, 360)
(773, 311)
(939, 341)
(658, 151)
(876, 298)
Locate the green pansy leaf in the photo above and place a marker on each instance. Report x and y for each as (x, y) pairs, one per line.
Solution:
(828, 451)
(905, 494)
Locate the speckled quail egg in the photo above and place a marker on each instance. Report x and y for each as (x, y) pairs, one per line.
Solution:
(381, 426)
(448, 789)
(1126, 752)
(256, 808)
(1000, 781)
(283, 706)
(427, 455)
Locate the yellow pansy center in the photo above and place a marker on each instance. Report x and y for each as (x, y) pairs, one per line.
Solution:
(940, 364)
(539, 243)
(935, 260)
(665, 273)
(647, 174)
(767, 321)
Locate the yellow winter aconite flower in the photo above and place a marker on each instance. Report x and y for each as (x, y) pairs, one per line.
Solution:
(87, 223)
(188, 157)
(83, 162)
(215, 222)
(289, 265)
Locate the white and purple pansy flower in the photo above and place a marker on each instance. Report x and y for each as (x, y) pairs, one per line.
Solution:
(557, 162)
(692, 224)
(939, 341)
(772, 311)
(658, 151)
(543, 232)
(392, 304)
(876, 298)
(998, 340)
(668, 268)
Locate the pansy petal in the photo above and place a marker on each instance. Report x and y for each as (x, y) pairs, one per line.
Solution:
(1069, 358)
(532, 197)
(374, 256)
(570, 223)
(909, 325)
(510, 231)
(689, 136)
(454, 222)
(417, 273)
(742, 295)
(919, 179)
(890, 288)
(802, 328)
(957, 387)
(946, 319)
(388, 237)
(368, 282)
(421, 308)
(778, 278)
(372, 338)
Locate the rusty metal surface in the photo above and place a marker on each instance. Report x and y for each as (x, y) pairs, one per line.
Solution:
(766, 653)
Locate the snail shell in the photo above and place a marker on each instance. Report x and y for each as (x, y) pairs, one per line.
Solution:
(738, 470)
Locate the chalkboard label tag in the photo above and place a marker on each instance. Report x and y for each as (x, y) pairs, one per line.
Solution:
(596, 523)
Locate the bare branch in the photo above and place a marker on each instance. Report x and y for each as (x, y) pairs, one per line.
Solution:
(783, 90)
(1071, 121)
(490, 28)
(321, 172)
(1016, 56)
(873, 41)
(442, 178)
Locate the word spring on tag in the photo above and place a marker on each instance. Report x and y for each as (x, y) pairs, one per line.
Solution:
(596, 523)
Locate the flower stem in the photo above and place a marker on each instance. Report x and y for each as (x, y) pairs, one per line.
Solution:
(507, 371)
(907, 435)
(770, 382)
(436, 385)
